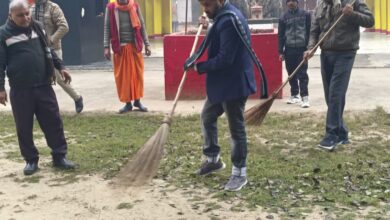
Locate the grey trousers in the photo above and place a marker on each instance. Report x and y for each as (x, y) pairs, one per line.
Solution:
(68, 88)
(336, 70)
(234, 111)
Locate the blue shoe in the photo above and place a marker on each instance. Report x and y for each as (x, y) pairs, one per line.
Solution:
(127, 108)
(210, 167)
(138, 104)
(63, 163)
(329, 143)
(30, 168)
(344, 140)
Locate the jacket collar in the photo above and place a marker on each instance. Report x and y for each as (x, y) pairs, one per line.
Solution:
(12, 26)
(293, 11)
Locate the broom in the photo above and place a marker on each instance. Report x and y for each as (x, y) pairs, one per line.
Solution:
(145, 163)
(256, 114)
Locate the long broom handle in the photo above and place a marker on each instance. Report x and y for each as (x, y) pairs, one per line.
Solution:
(183, 79)
(311, 52)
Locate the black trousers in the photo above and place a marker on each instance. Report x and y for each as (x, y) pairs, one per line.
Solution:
(336, 68)
(300, 81)
(41, 102)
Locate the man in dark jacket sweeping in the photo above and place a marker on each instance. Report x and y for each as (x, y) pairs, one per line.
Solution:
(338, 53)
(229, 81)
(25, 55)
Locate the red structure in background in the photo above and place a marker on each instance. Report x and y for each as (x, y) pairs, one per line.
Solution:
(178, 47)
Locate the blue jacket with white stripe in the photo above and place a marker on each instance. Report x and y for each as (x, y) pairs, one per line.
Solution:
(229, 67)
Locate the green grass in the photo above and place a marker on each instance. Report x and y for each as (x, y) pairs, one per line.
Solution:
(287, 173)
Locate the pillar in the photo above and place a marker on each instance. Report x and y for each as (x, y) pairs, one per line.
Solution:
(157, 15)
(371, 6)
(377, 15)
(388, 17)
(383, 6)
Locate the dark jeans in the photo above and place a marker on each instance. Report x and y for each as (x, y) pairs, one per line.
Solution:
(41, 102)
(234, 111)
(336, 70)
(299, 83)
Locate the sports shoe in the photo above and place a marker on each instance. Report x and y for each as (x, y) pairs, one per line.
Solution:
(210, 167)
(305, 102)
(293, 99)
(79, 105)
(344, 140)
(329, 143)
(235, 183)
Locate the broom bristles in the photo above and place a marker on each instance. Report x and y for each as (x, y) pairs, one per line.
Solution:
(256, 114)
(144, 165)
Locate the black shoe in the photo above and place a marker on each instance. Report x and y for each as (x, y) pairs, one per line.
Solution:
(30, 168)
(329, 143)
(63, 163)
(140, 106)
(127, 108)
(210, 167)
(79, 105)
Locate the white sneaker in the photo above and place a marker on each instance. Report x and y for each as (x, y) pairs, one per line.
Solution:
(305, 102)
(294, 99)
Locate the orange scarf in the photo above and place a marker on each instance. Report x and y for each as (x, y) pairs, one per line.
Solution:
(131, 7)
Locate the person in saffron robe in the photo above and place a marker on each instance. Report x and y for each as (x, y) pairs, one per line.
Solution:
(124, 32)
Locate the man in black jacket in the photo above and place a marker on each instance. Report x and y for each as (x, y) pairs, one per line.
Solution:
(338, 53)
(294, 30)
(25, 55)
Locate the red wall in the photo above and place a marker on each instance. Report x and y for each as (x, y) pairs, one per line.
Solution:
(177, 49)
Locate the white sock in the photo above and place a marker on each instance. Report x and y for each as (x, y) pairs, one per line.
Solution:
(239, 171)
(213, 159)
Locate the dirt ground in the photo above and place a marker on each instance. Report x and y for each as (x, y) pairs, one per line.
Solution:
(92, 197)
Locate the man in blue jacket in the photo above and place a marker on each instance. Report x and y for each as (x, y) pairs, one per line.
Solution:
(229, 81)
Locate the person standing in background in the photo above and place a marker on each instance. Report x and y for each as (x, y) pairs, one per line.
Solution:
(125, 33)
(293, 34)
(56, 27)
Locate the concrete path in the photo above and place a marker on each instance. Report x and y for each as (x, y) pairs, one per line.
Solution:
(369, 85)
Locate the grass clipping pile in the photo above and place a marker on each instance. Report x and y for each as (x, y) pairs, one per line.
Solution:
(144, 165)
